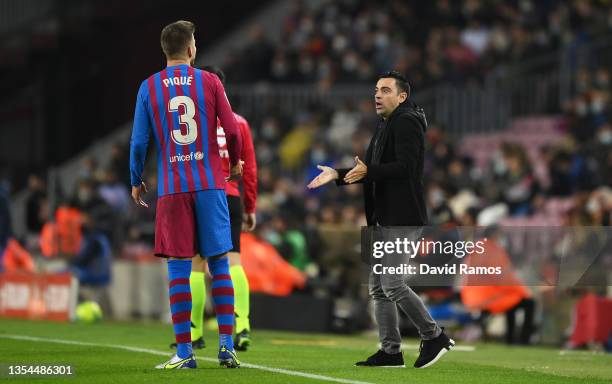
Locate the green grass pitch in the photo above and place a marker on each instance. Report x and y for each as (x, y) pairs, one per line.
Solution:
(101, 354)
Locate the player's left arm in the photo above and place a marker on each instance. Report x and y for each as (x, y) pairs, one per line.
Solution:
(139, 143)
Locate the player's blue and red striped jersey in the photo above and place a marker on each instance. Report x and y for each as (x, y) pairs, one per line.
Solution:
(180, 106)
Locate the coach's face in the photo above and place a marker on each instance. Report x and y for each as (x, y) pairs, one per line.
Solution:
(387, 96)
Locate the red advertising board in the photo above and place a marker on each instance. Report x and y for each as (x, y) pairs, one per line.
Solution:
(38, 296)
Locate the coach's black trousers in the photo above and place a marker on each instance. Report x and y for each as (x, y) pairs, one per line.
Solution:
(391, 292)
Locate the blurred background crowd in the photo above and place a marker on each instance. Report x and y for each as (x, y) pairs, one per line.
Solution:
(349, 41)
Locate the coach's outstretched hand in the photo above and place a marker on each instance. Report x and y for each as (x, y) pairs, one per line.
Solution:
(359, 171)
(235, 172)
(137, 191)
(327, 174)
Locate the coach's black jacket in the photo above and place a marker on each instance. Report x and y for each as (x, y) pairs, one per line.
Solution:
(393, 187)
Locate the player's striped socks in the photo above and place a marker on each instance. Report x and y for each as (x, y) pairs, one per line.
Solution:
(241, 293)
(198, 303)
(223, 299)
(180, 304)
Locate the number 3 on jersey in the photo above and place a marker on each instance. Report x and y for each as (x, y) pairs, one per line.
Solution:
(185, 118)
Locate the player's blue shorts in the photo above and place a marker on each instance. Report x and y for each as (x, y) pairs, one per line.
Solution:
(192, 222)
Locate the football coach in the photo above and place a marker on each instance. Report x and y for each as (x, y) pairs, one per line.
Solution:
(392, 178)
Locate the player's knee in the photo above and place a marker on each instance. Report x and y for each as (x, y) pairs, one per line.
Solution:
(234, 258)
(212, 259)
(217, 261)
(198, 264)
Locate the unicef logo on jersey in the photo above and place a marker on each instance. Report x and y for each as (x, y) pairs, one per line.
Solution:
(191, 156)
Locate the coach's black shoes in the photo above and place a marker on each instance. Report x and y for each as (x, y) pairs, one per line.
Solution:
(196, 344)
(432, 350)
(383, 359)
(242, 340)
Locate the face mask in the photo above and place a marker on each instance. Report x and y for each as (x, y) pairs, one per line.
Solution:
(436, 197)
(340, 43)
(597, 106)
(279, 68)
(500, 42)
(593, 206)
(306, 66)
(280, 197)
(264, 155)
(581, 109)
(500, 167)
(307, 26)
(605, 137)
(602, 81)
(381, 40)
(268, 130)
(329, 29)
(324, 70)
(84, 195)
(350, 63)
(272, 237)
(318, 156)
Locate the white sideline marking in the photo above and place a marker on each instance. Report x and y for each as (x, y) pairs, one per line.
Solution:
(461, 348)
(166, 354)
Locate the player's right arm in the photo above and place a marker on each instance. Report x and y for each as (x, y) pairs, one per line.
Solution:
(139, 143)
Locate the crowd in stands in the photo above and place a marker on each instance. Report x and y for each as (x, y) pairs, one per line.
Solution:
(326, 42)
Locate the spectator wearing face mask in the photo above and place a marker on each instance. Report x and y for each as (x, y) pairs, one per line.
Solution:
(514, 181)
(601, 151)
(440, 212)
(87, 200)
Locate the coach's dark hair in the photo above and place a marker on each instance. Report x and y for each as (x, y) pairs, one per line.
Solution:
(400, 81)
(217, 71)
(176, 37)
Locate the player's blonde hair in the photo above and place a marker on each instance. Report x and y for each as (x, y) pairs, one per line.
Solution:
(176, 37)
